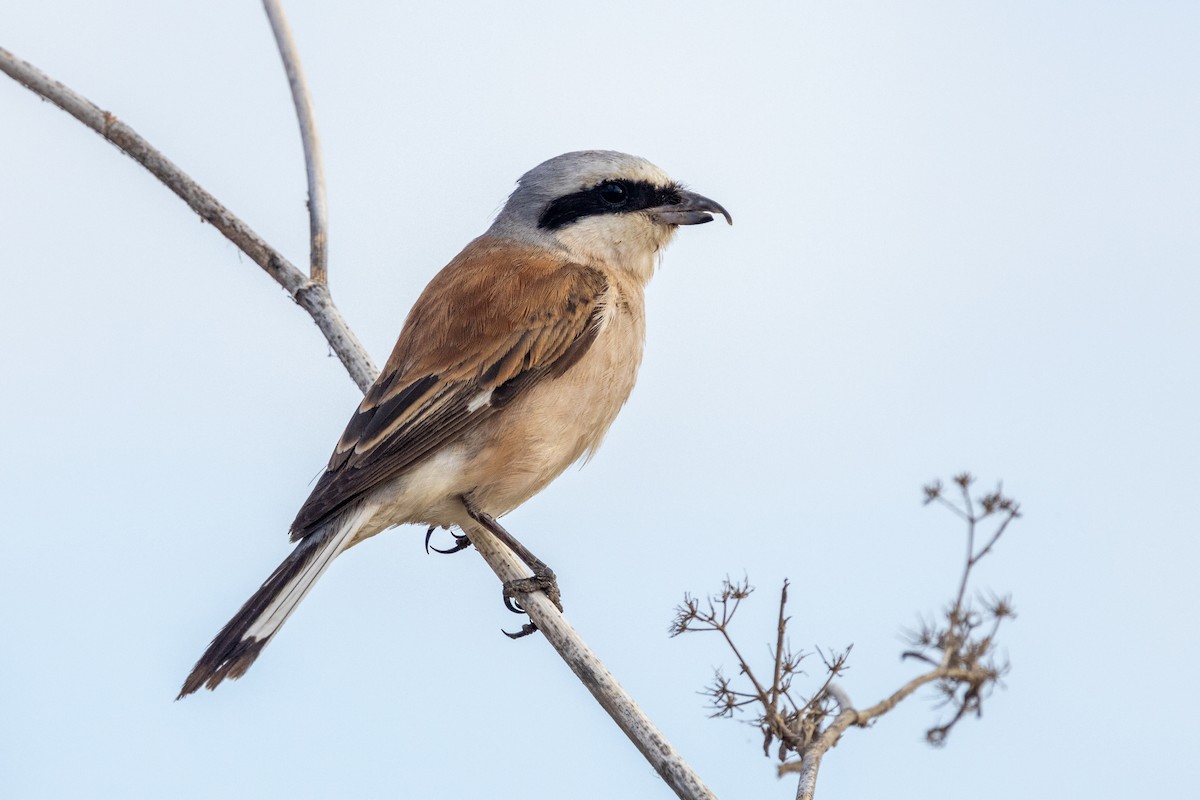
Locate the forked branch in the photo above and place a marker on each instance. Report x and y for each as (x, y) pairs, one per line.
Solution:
(312, 296)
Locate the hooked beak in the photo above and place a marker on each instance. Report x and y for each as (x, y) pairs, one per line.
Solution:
(692, 209)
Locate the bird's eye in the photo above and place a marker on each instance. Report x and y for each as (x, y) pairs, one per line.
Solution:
(613, 193)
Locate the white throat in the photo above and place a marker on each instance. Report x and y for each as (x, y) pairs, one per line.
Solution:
(629, 243)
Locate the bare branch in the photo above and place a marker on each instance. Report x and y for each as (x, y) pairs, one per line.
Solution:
(592, 673)
(312, 297)
(318, 206)
(315, 299)
(810, 762)
(863, 717)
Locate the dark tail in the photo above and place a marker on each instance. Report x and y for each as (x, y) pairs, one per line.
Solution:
(243, 637)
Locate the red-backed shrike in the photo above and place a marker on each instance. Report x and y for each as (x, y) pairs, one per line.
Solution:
(512, 365)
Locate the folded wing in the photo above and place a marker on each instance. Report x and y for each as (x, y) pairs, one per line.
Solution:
(458, 361)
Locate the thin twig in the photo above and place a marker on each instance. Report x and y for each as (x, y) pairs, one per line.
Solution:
(318, 206)
(970, 562)
(829, 687)
(780, 634)
(987, 548)
(312, 297)
(759, 691)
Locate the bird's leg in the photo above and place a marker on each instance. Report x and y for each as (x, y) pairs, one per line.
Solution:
(461, 542)
(543, 577)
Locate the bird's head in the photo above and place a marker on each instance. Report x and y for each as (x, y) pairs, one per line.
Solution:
(602, 206)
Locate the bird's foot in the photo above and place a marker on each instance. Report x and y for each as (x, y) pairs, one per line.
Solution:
(543, 580)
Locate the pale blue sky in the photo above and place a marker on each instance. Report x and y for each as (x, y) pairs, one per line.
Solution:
(966, 238)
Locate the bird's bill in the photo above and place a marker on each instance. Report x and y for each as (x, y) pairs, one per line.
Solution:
(692, 209)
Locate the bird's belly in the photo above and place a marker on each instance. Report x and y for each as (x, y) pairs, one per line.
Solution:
(557, 422)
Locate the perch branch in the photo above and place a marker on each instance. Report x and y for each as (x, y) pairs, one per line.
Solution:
(647, 738)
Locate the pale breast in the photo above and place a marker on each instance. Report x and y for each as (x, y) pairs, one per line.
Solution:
(559, 421)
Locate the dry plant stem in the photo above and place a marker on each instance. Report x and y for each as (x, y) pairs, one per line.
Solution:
(973, 558)
(318, 206)
(811, 762)
(780, 641)
(760, 693)
(312, 297)
(969, 508)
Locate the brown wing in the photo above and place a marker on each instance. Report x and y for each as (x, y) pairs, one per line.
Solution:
(497, 319)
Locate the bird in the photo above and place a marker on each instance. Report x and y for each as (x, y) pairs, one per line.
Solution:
(511, 366)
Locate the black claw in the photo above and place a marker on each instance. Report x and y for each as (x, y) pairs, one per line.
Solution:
(461, 542)
(512, 605)
(526, 629)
